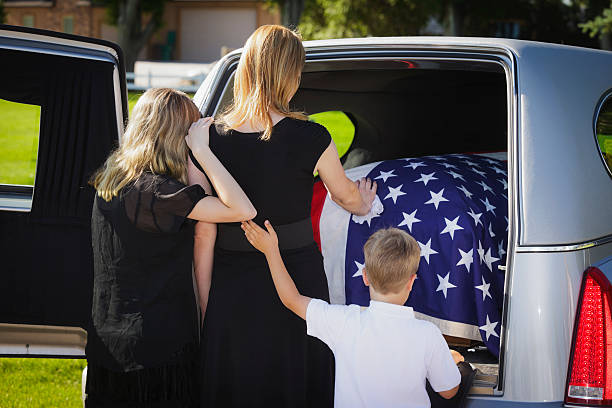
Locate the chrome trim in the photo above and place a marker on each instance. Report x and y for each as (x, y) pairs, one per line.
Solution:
(602, 101)
(38, 340)
(118, 104)
(566, 248)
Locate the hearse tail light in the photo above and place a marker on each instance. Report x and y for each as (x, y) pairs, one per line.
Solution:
(590, 367)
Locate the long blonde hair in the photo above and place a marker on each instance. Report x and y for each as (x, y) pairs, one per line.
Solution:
(154, 140)
(267, 76)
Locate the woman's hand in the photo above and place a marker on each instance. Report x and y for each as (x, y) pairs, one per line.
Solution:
(367, 191)
(266, 242)
(198, 136)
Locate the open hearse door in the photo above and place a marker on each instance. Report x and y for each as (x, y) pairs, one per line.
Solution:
(76, 87)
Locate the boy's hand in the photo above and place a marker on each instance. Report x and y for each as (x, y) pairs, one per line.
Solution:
(457, 356)
(266, 242)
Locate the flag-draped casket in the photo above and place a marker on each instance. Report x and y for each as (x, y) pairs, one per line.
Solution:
(456, 207)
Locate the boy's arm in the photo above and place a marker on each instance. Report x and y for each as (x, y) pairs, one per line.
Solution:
(267, 242)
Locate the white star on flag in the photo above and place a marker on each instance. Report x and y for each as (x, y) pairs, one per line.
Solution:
(470, 163)
(480, 251)
(444, 285)
(455, 175)
(465, 191)
(489, 328)
(489, 259)
(507, 223)
(488, 205)
(395, 192)
(490, 161)
(498, 170)
(438, 158)
(426, 250)
(384, 175)
(436, 198)
(415, 165)
(359, 269)
(467, 258)
(476, 217)
(409, 219)
(426, 178)
(485, 187)
(504, 182)
(500, 249)
(491, 233)
(485, 289)
(449, 166)
(451, 227)
(475, 170)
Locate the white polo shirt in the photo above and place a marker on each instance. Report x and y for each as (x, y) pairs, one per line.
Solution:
(383, 354)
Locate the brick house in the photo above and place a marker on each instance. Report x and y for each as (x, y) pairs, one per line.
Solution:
(193, 30)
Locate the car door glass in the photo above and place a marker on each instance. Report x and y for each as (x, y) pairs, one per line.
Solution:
(19, 129)
(603, 131)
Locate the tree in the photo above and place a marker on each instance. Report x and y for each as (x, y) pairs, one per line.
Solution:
(600, 25)
(2, 14)
(136, 21)
(360, 18)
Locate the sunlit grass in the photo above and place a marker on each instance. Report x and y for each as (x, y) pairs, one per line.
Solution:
(40, 382)
(19, 126)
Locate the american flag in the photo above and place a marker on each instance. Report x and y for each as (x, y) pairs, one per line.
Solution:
(456, 207)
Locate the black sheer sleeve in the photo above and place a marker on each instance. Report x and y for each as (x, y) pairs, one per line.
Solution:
(161, 204)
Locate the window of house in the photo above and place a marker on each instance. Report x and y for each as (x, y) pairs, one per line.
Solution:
(603, 131)
(68, 25)
(27, 20)
(19, 127)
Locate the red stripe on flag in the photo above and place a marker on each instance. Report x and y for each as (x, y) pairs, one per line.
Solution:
(319, 192)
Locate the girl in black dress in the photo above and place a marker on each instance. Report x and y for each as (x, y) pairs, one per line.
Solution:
(254, 352)
(142, 346)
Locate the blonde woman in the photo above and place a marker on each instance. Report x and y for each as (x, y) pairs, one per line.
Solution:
(255, 353)
(143, 343)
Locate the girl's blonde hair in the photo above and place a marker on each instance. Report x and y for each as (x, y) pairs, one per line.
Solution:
(268, 75)
(154, 140)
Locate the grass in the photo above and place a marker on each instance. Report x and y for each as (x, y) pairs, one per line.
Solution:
(40, 382)
(19, 125)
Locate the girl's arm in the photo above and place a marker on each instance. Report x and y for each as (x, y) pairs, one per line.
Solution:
(232, 204)
(354, 197)
(267, 242)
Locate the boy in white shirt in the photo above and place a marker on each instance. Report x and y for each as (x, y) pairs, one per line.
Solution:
(383, 354)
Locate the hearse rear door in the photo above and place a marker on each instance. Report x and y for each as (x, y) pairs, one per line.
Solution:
(77, 85)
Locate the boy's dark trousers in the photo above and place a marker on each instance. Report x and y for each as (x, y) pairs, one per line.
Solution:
(467, 377)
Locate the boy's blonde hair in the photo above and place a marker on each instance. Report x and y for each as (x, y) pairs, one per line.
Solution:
(154, 141)
(267, 76)
(391, 258)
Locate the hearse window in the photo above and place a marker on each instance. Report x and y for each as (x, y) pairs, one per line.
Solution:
(339, 126)
(603, 131)
(19, 127)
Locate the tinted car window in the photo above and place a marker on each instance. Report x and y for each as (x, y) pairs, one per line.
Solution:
(603, 129)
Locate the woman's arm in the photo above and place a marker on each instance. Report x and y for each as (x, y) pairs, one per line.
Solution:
(355, 197)
(204, 242)
(203, 254)
(232, 204)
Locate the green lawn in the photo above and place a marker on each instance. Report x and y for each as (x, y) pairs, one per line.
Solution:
(18, 142)
(40, 382)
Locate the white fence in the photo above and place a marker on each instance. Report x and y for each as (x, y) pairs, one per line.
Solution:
(142, 82)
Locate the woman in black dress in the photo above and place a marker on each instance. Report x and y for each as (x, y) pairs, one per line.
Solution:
(254, 352)
(143, 344)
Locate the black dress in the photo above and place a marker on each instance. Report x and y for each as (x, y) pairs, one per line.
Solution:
(143, 343)
(254, 351)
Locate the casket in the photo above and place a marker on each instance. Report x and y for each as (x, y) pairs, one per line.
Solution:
(456, 207)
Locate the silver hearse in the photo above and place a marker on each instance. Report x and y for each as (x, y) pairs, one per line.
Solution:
(546, 106)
